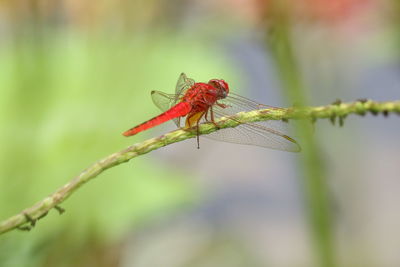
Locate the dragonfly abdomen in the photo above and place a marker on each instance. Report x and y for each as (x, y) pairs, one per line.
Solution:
(179, 110)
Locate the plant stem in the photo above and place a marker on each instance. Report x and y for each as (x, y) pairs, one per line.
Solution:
(40, 209)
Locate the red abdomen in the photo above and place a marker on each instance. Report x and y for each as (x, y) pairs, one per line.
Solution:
(179, 110)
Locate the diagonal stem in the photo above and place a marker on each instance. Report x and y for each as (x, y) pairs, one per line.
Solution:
(31, 214)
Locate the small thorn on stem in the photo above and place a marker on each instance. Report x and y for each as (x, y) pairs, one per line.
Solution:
(31, 222)
(313, 120)
(29, 219)
(337, 102)
(374, 112)
(385, 113)
(332, 119)
(361, 113)
(24, 228)
(43, 215)
(341, 121)
(59, 209)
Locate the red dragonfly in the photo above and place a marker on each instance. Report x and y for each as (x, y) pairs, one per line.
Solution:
(203, 102)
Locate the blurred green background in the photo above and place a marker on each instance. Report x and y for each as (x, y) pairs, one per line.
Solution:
(75, 74)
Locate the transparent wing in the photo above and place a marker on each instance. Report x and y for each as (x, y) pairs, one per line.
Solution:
(270, 134)
(239, 103)
(165, 101)
(183, 84)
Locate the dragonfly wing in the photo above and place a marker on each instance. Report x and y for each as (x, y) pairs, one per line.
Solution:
(183, 84)
(270, 134)
(258, 134)
(239, 103)
(165, 101)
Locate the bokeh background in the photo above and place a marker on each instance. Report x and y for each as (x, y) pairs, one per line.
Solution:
(75, 74)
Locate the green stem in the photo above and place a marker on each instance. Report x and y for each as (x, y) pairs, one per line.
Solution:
(316, 191)
(40, 209)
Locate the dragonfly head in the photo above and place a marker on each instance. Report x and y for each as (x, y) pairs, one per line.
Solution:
(222, 86)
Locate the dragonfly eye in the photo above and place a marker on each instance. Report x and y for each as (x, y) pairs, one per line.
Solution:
(222, 86)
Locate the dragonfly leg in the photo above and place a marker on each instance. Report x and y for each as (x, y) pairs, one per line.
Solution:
(195, 118)
(206, 116)
(221, 105)
(212, 118)
(198, 138)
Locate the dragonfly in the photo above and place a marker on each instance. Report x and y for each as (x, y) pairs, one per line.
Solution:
(194, 103)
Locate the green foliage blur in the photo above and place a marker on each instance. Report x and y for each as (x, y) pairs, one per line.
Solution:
(67, 92)
(75, 74)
